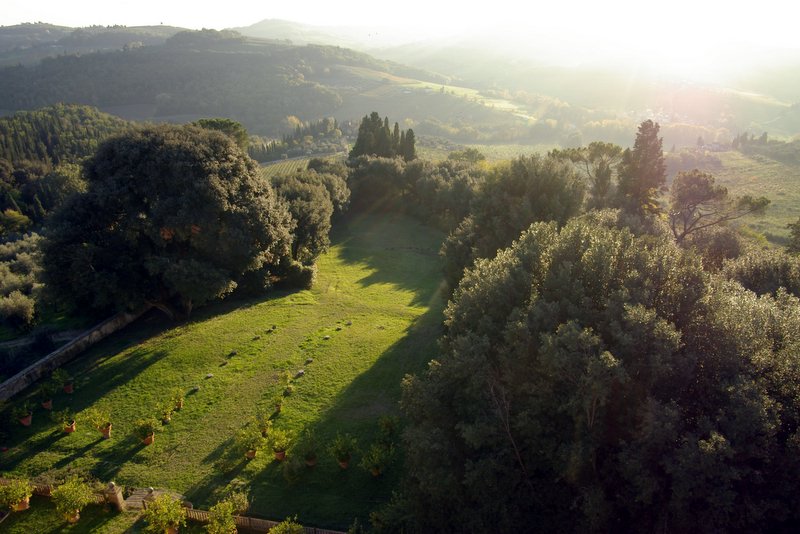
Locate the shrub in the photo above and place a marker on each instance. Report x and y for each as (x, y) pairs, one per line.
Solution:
(98, 418)
(342, 447)
(17, 309)
(146, 427)
(300, 276)
(72, 496)
(376, 458)
(287, 526)
(164, 512)
(16, 490)
(220, 519)
(279, 440)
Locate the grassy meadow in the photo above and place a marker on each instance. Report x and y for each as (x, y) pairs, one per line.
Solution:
(373, 315)
(760, 176)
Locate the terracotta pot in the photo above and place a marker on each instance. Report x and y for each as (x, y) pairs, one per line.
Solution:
(48, 404)
(69, 387)
(172, 530)
(311, 462)
(375, 471)
(70, 428)
(27, 420)
(149, 439)
(73, 518)
(344, 463)
(280, 455)
(106, 431)
(24, 504)
(250, 454)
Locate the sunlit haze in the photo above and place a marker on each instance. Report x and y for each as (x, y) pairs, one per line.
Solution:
(699, 39)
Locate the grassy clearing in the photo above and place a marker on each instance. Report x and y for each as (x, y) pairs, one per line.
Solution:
(381, 275)
(759, 176)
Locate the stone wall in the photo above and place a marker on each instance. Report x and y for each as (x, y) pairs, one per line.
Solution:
(67, 353)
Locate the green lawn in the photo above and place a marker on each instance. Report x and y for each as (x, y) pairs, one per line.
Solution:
(376, 297)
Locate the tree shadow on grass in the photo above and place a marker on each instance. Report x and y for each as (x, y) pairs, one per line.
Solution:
(111, 461)
(78, 453)
(398, 249)
(228, 462)
(32, 446)
(327, 495)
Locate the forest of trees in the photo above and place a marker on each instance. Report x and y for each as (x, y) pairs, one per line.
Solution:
(375, 138)
(312, 138)
(610, 370)
(615, 357)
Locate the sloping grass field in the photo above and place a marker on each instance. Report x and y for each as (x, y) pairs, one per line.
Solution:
(760, 176)
(373, 315)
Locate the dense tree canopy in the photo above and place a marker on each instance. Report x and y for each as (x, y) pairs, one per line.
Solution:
(594, 380)
(173, 216)
(598, 163)
(375, 138)
(229, 127)
(527, 190)
(312, 199)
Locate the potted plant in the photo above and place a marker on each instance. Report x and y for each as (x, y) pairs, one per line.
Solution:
(264, 422)
(342, 449)
(279, 441)
(376, 458)
(164, 514)
(71, 497)
(250, 441)
(16, 494)
(220, 519)
(100, 419)
(166, 408)
(277, 401)
(308, 449)
(178, 397)
(24, 414)
(45, 393)
(67, 420)
(63, 379)
(146, 430)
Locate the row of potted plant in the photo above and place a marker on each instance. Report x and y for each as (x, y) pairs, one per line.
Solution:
(146, 427)
(60, 379)
(69, 498)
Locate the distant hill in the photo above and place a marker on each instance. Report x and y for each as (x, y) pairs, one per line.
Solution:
(255, 81)
(28, 44)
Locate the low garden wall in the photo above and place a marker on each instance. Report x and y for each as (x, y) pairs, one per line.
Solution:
(67, 353)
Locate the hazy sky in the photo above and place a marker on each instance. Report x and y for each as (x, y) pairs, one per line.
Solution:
(705, 22)
(692, 35)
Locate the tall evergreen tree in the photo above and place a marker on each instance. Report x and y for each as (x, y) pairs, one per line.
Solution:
(408, 150)
(643, 172)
